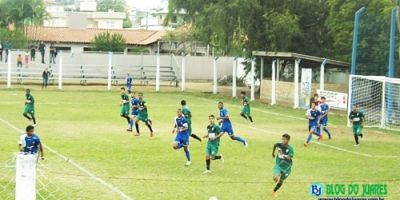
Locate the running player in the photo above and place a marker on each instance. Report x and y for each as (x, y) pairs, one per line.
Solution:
(29, 111)
(125, 106)
(182, 135)
(357, 119)
(323, 120)
(29, 143)
(142, 115)
(188, 115)
(213, 135)
(134, 106)
(226, 125)
(245, 113)
(313, 115)
(283, 162)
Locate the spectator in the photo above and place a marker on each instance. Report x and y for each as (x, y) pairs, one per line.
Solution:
(19, 60)
(1, 51)
(42, 48)
(33, 52)
(29, 143)
(45, 76)
(7, 47)
(52, 54)
(27, 58)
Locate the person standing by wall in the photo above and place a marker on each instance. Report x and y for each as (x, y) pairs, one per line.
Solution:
(45, 77)
(7, 47)
(33, 52)
(19, 60)
(27, 58)
(1, 51)
(52, 54)
(42, 48)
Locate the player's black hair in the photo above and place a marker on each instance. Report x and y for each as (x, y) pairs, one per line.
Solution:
(221, 102)
(183, 102)
(315, 95)
(213, 116)
(29, 128)
(122, 88)
(323, 98)
(243, 92)
(287, 136)
(140, 93)
(28, 90)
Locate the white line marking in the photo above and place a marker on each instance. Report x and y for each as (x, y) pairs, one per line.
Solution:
(299, 118)
(73, 163)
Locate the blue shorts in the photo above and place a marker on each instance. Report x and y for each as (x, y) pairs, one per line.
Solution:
(227, 128)
(135, 112)
(313, 127)
(182, 139)
(324, 121)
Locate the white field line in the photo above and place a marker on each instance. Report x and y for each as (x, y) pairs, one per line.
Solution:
(299, 118)
(76, 165)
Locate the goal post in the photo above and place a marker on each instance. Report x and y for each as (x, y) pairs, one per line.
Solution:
(25, 187)
(378, 98)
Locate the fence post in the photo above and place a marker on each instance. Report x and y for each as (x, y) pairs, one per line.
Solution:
(273, 84)
(252, 87)
(355, 40)
(109, 70)
(183, 72)
(60, 72)
(158, 68)
(322, 76)
(234, 74)
(296, 83)
(215, 81)
(261, 70)
(9, 69)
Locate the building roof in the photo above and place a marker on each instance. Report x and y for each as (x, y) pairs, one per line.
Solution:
(310, 61)
(85, 36)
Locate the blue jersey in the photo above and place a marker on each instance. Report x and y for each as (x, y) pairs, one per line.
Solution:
(135, 102)
(323, 108)
(180, 123)
(30, 144)
(314, 114)
(129, 80)
(224, 113)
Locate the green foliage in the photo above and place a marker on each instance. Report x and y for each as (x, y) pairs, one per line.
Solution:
(109, 42)
(127, 23)
(22, 12)
(16, 37)
(115, 5)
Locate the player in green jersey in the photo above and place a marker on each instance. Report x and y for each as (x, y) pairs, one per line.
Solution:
(283, 162)
(213, 135)
(188, 115)
(357, 119)
(125, 105)
(29, 110)
(245, 113)
(142, 115)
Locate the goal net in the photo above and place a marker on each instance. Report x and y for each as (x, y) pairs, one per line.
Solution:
(378, 98)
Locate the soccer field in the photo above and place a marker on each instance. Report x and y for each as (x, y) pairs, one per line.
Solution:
(85, 126)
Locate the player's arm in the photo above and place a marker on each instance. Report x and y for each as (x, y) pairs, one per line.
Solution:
(41, 151)
(174, 129)
(273, 151)
(290, 155)
(185, 127)
(218, 133)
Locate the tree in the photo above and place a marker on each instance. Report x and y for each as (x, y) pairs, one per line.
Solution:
(107, 41)
(115, 5)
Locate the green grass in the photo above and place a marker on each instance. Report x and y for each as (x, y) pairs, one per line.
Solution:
(85, 126)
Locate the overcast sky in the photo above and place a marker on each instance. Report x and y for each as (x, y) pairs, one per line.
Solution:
(144, 4)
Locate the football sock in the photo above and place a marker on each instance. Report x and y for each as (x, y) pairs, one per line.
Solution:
(327, 132)
(356, 138)
(251, 119)
(149, 126)
(240, 139)
(137, 128)
(278, 185)
(187, 153)
(195, 137)
(131, 124)
(244, 116)
(309, 138)
(128, 119)
(208, 163)
(26, 115)
(216, 157)
(34, 120)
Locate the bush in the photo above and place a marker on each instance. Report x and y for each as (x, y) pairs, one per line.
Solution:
(227, 81)
(109, 42)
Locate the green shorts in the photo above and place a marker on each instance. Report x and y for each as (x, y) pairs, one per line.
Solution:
(246, 110)
(142, 117)
(189, 129)
(278, 171)
(125, 110)
(29, 110)
(357, 129)
(212, 149)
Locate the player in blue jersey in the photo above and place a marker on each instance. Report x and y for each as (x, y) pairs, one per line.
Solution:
(134, 112)
(323, 120)
(182, 135)
(313, 115)
(226, 125)
(129, 81)
(29, 142)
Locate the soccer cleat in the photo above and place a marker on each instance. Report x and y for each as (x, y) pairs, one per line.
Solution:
(274, 194)
(357, 145)
(151, 134)
(246, 144)
(251, 123)
(207, 171)
(187, 164)
(137, 134)
(129, 130)
(222, 159)
(305, 144)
